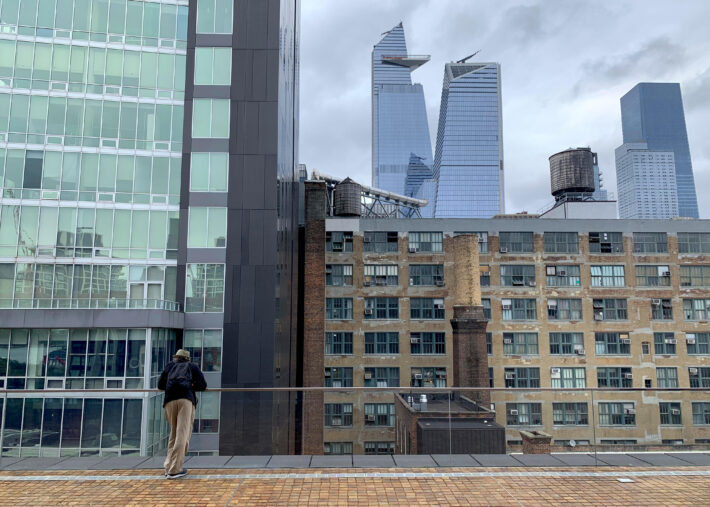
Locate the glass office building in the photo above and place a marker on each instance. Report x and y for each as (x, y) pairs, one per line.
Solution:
(645, 181)
(127, 136)
(469, 145)
(399, 122)
(652, 113)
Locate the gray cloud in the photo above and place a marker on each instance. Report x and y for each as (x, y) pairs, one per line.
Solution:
(656, 59)
(696, 92)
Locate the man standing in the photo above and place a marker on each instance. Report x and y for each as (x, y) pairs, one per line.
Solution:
(180, 379)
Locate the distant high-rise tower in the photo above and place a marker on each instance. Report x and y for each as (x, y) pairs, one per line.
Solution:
(469, 145)
(652, 113)
(646, 182)
(399, 121)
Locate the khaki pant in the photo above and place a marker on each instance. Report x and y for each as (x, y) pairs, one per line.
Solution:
(180, 414)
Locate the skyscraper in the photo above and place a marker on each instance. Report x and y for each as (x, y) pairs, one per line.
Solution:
(652, 113)
(148, 201)
(469, 144)
(646, 182)
(399, 121)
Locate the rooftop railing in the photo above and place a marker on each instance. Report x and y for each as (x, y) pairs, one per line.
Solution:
(370, 420)
(74, 304)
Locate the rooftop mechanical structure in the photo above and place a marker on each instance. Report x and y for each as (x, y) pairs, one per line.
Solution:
(349, 198)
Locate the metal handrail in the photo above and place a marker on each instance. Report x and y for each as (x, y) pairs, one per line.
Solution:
(373, 389)
(88, 304)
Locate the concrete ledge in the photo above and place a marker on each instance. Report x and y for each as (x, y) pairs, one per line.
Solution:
(409, 461)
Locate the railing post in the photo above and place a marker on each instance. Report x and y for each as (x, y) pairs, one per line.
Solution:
(2, 423)
(594, 431)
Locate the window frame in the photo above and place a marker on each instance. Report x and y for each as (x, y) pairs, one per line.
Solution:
(516, 242)
(426, 242)
(426, 308)
(339, 275)
(381, 343)
(561, 242)
(380, 242)
(650, 242)
(610, 243)
(419, 277)
(525, 343)
(530, 379)
(338, 341)
(428, 343)
(341, 311)
(615, 275)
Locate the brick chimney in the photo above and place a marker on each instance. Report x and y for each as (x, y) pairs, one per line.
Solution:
(314, 315)
(470, 355)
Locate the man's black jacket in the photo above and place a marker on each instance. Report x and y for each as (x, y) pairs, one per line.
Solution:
(198, 383)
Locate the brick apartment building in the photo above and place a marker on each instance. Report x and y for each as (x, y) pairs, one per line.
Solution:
(571, 304)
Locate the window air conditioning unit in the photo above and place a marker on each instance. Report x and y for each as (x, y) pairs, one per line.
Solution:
(440, 283)
(628, 375)
(626, 341)
(629, 411)
(655, 302)
(598, 315)
(531, 283)
(507, 341)
(368, 311)
(555, 373)
(417, 376)
(503, 249)
(506, 304)
(368, 375)
(439, 306)
(370, 418)
(513, 411)
(579, 351)
(690, 337)
(675, 411)
(327, 373)
(509, 376)
(414, 339)
(665, 273)
(413, 249)
(671, 341)
(693, 371)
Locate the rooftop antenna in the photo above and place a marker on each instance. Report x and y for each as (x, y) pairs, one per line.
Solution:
(463, 60)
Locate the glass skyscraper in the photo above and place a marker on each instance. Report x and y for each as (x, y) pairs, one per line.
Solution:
(645, 181)
(399, 121)
(469, 145)
(652, 113)
(148, 201)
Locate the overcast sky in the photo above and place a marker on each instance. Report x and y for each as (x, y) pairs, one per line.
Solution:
(565, 64)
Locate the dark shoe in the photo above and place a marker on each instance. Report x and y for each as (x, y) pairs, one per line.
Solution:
(181, 473)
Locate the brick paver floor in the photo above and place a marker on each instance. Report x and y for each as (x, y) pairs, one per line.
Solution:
(333, 487)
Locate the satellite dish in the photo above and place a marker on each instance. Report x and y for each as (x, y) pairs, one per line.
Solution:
(572, 443)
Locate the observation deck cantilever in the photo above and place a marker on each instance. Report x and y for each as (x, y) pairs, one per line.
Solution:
(411, 61)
